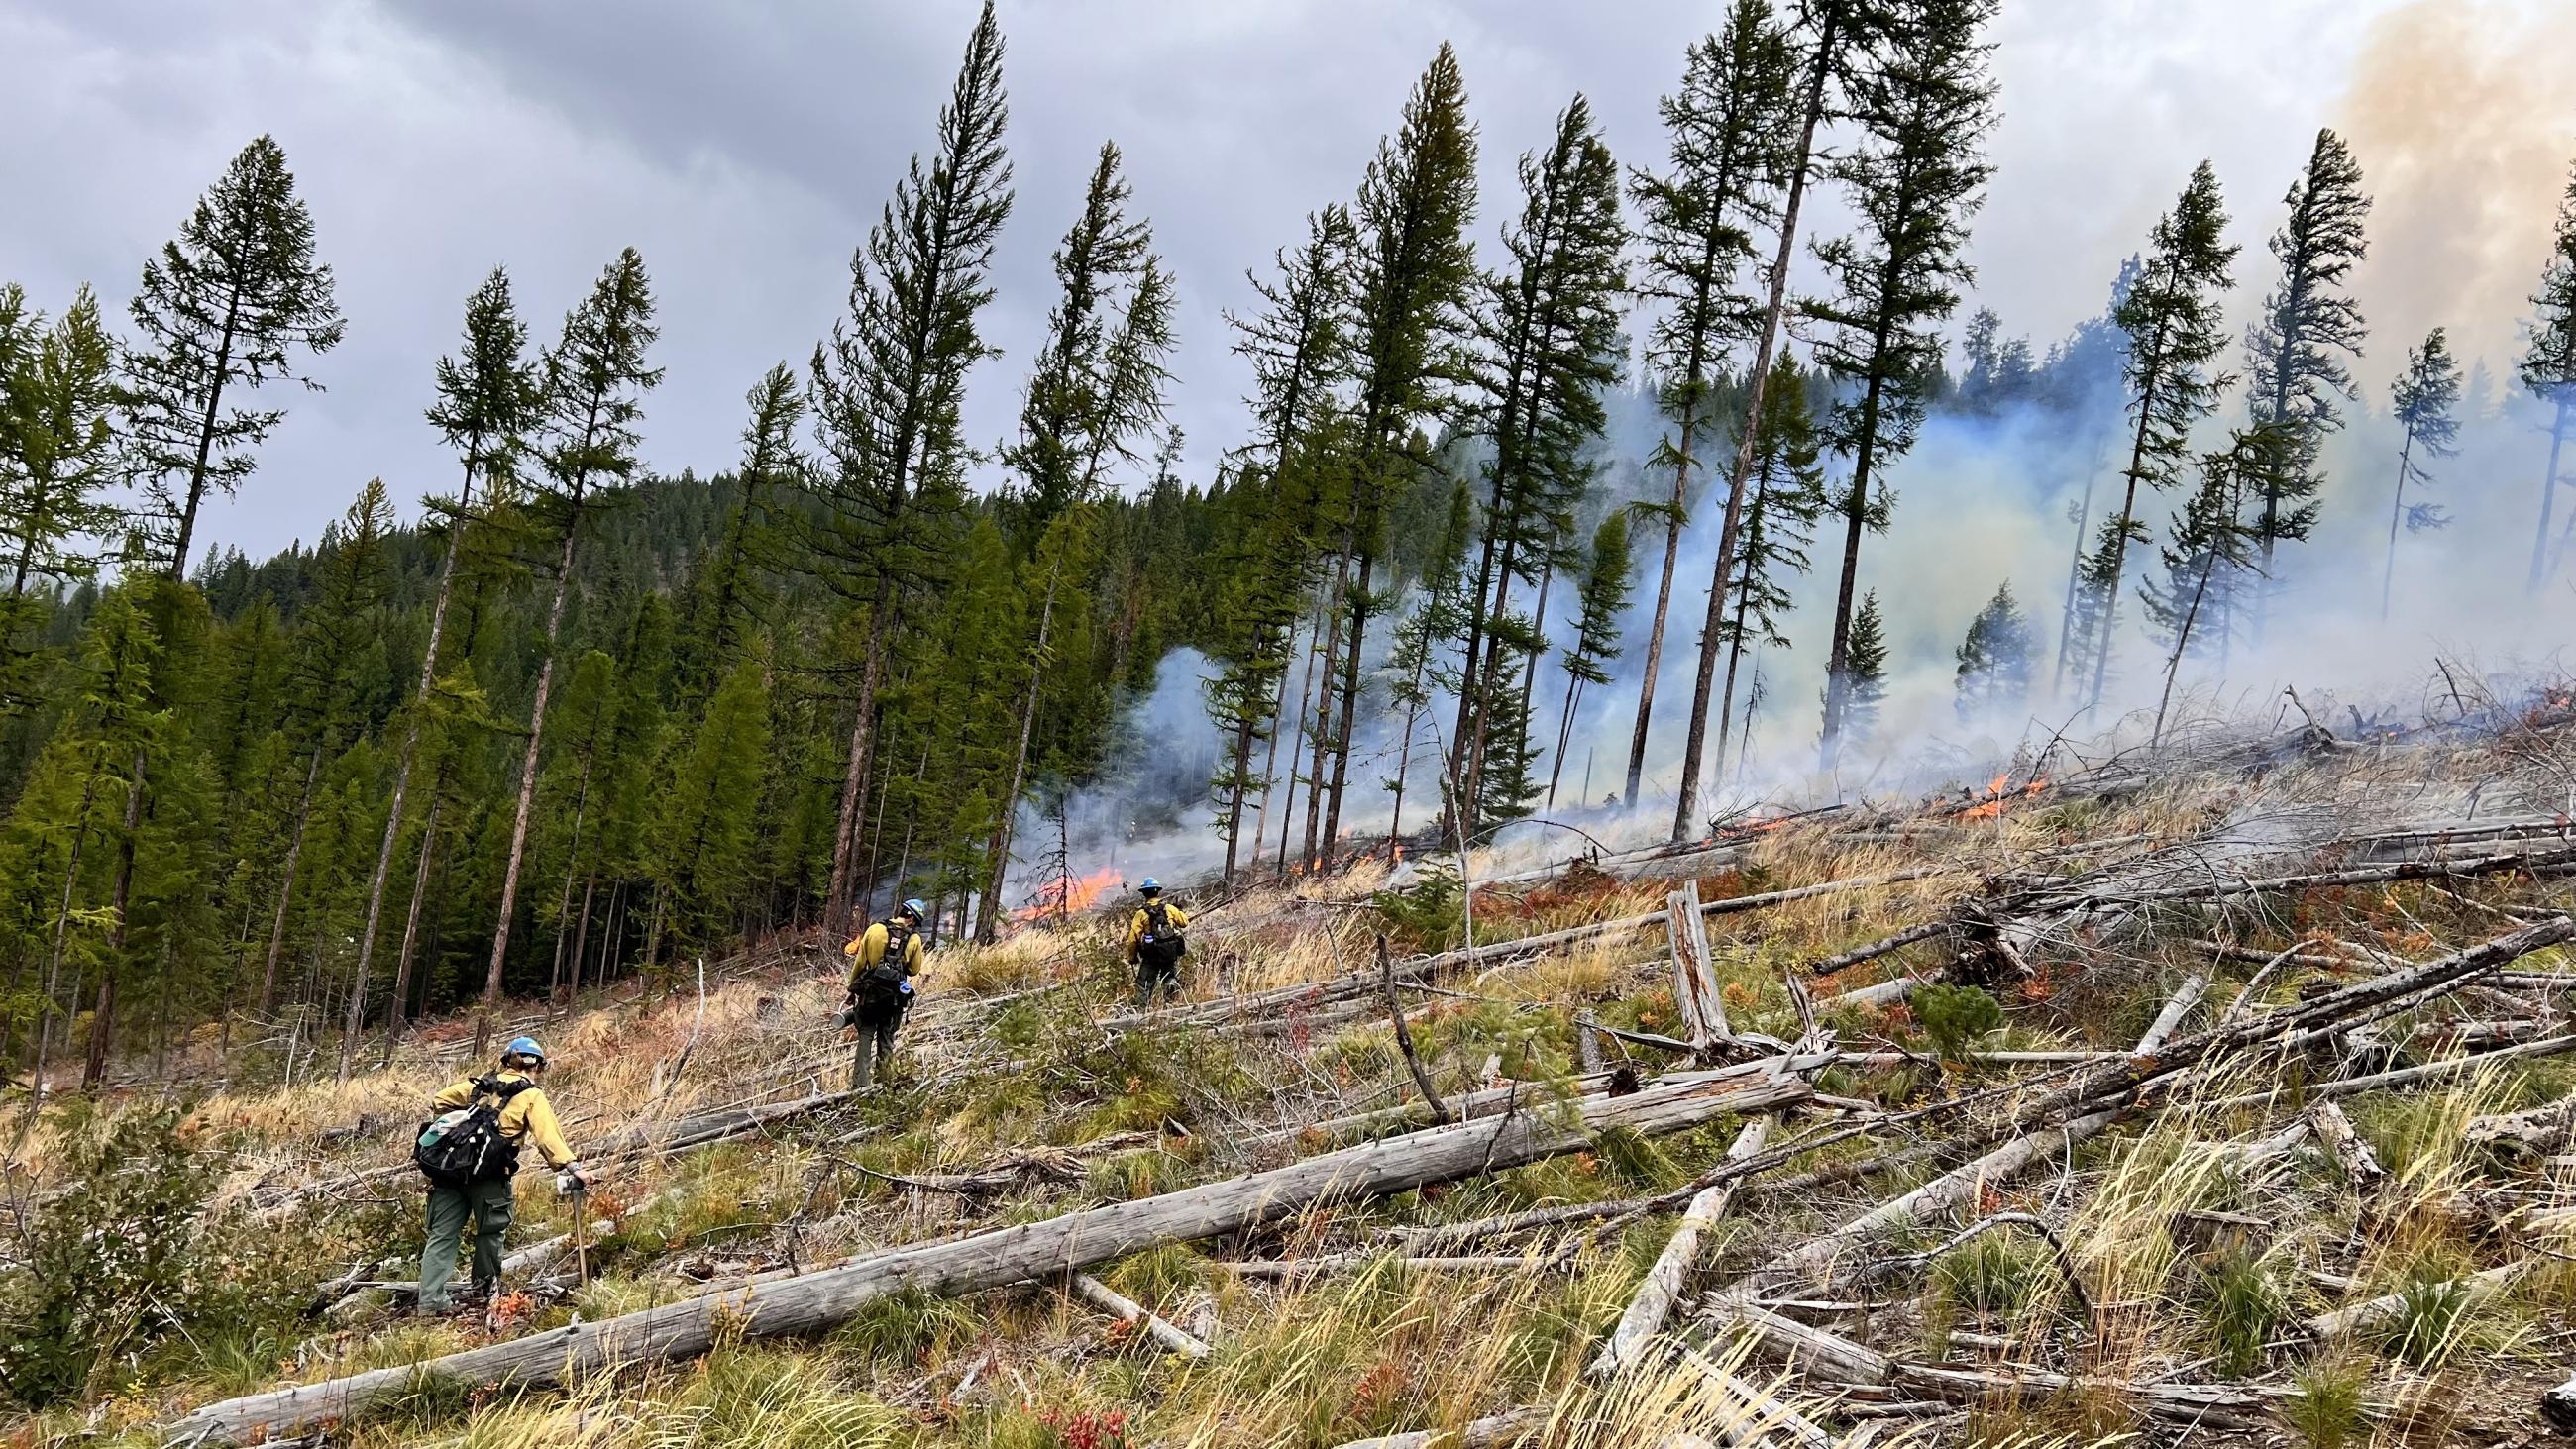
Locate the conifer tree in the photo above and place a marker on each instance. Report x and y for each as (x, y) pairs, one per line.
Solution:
(233, 302)
(116, 729)
(2423, 402)
(1600, 598)
(1413, 663)
(2204, 600)
(886, 393)
(732, 595)
(1996, 659)
(329, 637)
(1097, 391)
(1415, 270)
(2296, 350)
(1865, 674)
(595, 380)
(1729, 137)
(488, 400)
(1916, 179)
(2549, 370)
(57, 465)
(1546, 337)
(1838, 33)
(706, 820)
(2172, 318)
(1788, 497)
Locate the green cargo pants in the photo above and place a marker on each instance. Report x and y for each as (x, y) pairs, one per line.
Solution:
(489, 1205)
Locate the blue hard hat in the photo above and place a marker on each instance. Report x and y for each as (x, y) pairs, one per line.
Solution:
(524, 1046)
(1151, 886)
(918, 911)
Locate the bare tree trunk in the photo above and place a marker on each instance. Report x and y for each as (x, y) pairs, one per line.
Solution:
(1270, 770)
(54, 956)
(836, 900)
(398, 1009)
(402, 773)
(1350, 708)
(2074, 581)
(2548, 497)
(1323, 734)
(1663, 598)
(1305, 705)
(988, 916)
(1695, 743)
(286, 886)
(527, 784)
(2396, 511)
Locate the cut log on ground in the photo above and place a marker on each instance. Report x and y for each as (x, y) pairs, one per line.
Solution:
(1127, 1310)
(1665, 1280)
(2352, 1156)
(821, 1300)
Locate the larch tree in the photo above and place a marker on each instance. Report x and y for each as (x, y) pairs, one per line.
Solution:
(887, 387)
(1996, 659)
(2549, 371)
(1415, 270)
(1916, 177)
(1547, 347)
(2424, 402)
(1835, 36)
(732, 593)
(489, 395)
(1299, 347)
(1788, 497)
(1096, 392)
(234, 301)
(596, 376)
(2296, 352)
(1865, 670)
(1728, 130)
(1600, 598)
(57, 463)
(330, 636)
(2175, 329)
(1413, 666)
(2207, 596)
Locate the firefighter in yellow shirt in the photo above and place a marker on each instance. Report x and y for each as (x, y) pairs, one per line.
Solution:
(480, 1188)
(1156, 943)
(883, 960)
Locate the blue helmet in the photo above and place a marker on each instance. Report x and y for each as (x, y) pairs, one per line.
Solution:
(1151, 887)
(524, 1046)
(916, 910)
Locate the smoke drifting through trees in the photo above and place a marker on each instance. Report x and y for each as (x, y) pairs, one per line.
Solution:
(591, 720)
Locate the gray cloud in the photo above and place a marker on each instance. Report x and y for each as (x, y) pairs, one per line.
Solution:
(744, 149)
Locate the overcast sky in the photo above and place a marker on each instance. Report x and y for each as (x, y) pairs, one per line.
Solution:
(743, 148)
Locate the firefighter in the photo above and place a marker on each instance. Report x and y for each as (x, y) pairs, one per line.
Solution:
(1156, 941)
(883, 960)
(469, 1152)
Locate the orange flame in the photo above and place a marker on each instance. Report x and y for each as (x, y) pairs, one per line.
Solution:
(1999, 790)
(1065, 895)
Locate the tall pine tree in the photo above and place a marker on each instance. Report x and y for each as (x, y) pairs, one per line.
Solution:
(1996, 659)
(1729, 138)
(2549, 370)
(1916, 179)
(57, 464)
(1599, 600)
(886, 394)
(1779, 523)
(596, 376)
(2424, 402)
(2172, 318)
(2296, 351)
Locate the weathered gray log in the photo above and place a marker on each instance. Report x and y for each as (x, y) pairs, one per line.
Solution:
(2352, 1156)
(1663, 1282)
(1314, 1267)
(2542, 1130)
(2371, 1312)
(1490, 1432)
(1127, 1310)
(1695, 985)
(1884, 945)
(999, 1257)
(2185, 997)
(2314, 880)
(2343, 1087)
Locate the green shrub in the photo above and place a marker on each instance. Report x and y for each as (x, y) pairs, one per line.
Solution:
(1431, 913)
(2239, 1304)
(125, 1265)
(1957, 1018)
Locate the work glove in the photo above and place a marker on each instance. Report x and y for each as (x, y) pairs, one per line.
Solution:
(574, 1178)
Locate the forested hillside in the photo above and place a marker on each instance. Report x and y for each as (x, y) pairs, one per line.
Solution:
(1495, 539)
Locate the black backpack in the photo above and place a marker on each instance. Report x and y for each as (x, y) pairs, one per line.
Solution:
(465, 1146)
(881, 990)
(1160, 942)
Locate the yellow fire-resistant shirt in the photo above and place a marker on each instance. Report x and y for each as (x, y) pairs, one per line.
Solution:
(1175, 919)
(870, 948)
(526, 1119)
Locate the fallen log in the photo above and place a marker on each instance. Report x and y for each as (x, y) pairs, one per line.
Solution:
(2402, 1076)
(2316, 880)
(998, 1257)
(1664, 1281)
(1490, 1432)
(1283, 1269)
(2371, 1312)
(2542, 1130)
(1880, 947)
(1127, 1310)
(2352, 1156)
